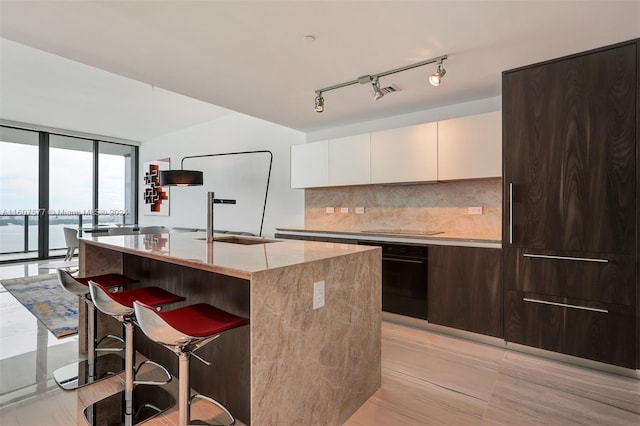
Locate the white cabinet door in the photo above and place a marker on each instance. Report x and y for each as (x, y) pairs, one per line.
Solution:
(470, 147)
(407, 154)
(349, 160)
(310, 165)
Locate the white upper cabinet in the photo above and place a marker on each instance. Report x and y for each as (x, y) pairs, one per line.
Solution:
(407, 154)
(310, 165)
(349, 160)
(470, 147)
(461, 148)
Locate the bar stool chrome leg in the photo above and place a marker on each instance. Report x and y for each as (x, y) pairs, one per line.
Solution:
(95, 367)
(183, 331)
(184, 392)
(141, 399)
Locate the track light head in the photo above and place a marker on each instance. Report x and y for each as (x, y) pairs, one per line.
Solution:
(436, 77)
(319, 102)
(375, 88)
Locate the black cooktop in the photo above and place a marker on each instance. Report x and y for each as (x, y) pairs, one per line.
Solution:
(401, 232)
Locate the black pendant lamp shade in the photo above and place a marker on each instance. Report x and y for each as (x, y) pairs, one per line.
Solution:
(180, 178)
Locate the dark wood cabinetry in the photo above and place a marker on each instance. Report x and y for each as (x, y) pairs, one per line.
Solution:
(465, 290)
(464, 286)
(607, 279)
(570, 204)
(596, 331)
(569, 153)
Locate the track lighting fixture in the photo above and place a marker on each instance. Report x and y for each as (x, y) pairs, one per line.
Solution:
(436, 77)
(378, 92)
(319, 102)
(375, 88)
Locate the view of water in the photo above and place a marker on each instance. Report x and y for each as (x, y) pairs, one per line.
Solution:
(12, 237)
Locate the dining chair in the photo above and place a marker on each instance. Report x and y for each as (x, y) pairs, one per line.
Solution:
(121, 231)
(71, 241)
(178, 229)
(154, 230)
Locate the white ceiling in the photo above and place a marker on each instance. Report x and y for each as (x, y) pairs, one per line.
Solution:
(252, 56)
(40, 88)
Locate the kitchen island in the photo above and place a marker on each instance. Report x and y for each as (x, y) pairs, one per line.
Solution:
(292, 364)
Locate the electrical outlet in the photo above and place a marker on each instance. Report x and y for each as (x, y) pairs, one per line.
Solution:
(329, 210)
(344, 209)
(475, 210)
(359, 210)
(318, 294)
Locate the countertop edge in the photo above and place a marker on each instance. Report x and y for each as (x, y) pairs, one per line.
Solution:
(173, 260)
(357, 235)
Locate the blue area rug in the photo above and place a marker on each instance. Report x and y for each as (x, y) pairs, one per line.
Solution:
(45, 298)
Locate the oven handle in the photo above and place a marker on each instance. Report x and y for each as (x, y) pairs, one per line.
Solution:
(397, 259)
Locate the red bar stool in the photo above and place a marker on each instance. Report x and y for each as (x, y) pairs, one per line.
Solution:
(94, 368)
(132, 405)
(184, 330)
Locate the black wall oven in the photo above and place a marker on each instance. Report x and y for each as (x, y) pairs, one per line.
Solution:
(404, 278)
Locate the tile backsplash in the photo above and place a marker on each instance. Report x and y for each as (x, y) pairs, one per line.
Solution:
(441, 206)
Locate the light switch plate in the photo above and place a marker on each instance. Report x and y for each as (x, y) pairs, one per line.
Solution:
(475, 210)
(359, 210)
(329, 210)
(344, 209)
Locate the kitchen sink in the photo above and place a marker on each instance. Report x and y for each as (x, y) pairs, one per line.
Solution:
(241, 240)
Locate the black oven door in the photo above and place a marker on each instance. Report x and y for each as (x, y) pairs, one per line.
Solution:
(404, 279)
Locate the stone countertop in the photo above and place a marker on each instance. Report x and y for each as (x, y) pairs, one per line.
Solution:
(404, 236)
(237, 260)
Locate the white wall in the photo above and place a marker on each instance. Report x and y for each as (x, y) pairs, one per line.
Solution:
(244, 177)
(417, 117)
(236, 177)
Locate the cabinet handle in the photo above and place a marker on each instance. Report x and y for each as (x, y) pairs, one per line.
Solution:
(510, 212)
(564, 305)
(580, 259)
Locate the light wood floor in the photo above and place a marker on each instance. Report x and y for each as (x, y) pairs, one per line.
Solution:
(427, 378)
(431, 379)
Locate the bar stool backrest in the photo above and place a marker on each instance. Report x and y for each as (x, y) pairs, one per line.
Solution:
(157, 329)
(70, 284)
(105, 302)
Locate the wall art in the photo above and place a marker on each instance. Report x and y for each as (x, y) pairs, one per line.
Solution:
(156, 197)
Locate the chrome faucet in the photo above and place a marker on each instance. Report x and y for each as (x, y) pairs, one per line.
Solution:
(211, 200)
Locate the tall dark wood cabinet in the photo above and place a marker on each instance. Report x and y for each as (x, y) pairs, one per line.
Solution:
(570, 133)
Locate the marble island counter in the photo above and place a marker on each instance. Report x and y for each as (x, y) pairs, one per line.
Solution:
(292, 364)
(240, 259)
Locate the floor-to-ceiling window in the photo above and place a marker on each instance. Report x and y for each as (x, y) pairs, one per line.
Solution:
(18, 193)
(70, 186)
(116, 191)
(50, 181)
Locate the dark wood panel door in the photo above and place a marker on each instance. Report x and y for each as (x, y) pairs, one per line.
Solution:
(465, 289)
(569, 143)
(600, 332)
(600, 278)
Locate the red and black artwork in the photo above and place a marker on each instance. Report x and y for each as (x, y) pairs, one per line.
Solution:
(155, 196)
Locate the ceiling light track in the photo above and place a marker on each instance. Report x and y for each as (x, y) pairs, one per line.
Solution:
(373, 79)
